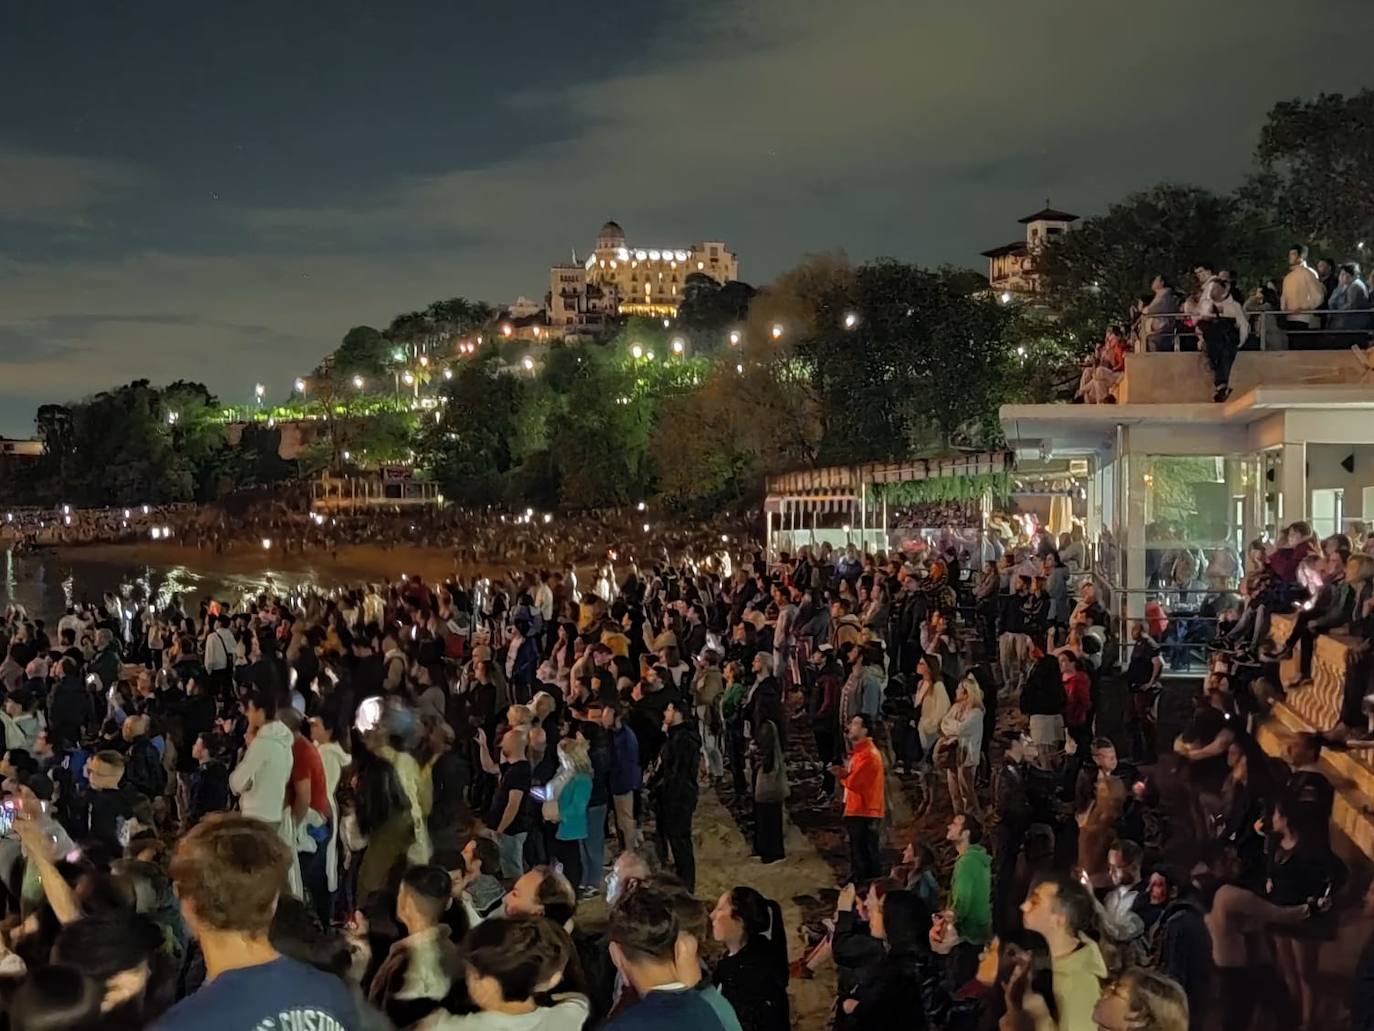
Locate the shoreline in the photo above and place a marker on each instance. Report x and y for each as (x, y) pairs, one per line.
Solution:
(361, 562)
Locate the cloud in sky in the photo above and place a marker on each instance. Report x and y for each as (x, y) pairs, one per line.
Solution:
(229, 199)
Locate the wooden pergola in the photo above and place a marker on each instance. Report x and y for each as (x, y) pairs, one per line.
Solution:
(802, 496)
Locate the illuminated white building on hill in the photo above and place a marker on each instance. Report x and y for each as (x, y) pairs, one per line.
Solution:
(618, 279)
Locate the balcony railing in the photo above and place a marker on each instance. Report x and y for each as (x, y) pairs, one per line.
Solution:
(1332, 330)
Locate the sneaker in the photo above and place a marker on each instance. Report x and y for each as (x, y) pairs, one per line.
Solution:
(1221, 394)
(588, 892)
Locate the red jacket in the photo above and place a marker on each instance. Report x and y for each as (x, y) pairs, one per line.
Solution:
(864, 783)
(1079, 699)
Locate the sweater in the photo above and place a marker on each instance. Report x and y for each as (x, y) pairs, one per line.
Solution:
(970, 894)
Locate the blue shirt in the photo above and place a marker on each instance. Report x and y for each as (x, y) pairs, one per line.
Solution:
(681, 1010)
(572, 808)
(282, 995)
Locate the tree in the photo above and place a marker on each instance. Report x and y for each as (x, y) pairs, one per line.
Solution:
(469, 451)
(1315, 179)
(929, 359)
(363, 352)
(1093, 274)
(709, 309)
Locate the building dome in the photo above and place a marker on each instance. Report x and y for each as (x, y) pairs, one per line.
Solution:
(611, 235)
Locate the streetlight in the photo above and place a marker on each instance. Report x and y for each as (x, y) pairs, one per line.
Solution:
(507, 329)
(408, 378)
(348, 456)
(734, 338)
(299, 385)
(777, 331)
(636, 352)
(259, 391)
(528, 363)
(678, 345)
(649, 355)
(424, 361)
(850, 320)
(448, 374)
(358, 382)
(172, 418)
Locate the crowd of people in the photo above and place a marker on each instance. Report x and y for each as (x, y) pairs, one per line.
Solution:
(409, 804)
(1311, 308)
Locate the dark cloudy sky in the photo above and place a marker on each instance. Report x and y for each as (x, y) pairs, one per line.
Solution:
(218, 191)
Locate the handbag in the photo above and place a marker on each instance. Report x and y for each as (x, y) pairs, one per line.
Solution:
(947, 753)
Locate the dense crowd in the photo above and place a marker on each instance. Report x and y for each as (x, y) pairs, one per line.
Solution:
(1310, 308)
(404, 804)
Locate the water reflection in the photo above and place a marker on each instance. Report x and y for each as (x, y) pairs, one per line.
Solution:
(46, 584)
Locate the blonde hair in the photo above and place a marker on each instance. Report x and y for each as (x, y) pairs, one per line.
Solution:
(974, 691)
(574, 754)
(1156, 1002)
(519, 716)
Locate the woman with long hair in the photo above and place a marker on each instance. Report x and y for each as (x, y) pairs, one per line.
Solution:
(890, 993)
(569, 793)
(961, 737)
(753, 973)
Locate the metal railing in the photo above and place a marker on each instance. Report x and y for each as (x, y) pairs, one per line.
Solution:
(1330, 329)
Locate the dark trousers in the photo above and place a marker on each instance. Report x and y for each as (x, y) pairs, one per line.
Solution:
(1220, 340)
(315, 879)
(865, 853)
(675, 836)
(734, 732)
(768, 831)
(826, 732)
(568, 854)
(1005, 906)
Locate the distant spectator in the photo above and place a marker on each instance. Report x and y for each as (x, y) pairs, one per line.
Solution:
(1351, 300)
(1160, 316)
(1224, 328)
(1302, 291)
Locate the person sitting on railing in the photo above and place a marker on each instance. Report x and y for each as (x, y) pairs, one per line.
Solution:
(1102, 371)
(1303, 292)
(1350, 300)
(1224, 328)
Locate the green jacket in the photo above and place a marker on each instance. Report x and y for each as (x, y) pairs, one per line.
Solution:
(970, 894)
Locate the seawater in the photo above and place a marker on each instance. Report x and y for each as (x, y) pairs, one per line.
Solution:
(46, 583)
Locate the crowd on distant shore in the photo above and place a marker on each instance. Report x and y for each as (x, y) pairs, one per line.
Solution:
(474, 537)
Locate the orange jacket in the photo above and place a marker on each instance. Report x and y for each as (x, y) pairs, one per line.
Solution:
(864, 784)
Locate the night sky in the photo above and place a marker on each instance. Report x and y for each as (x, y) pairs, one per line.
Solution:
(217, 191)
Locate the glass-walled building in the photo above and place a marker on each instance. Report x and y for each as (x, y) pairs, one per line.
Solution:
(1179, 486)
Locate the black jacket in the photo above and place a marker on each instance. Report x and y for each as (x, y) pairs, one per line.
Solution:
(69, 709)
(1044, 693)
(892, 995)
(675, 779)
(755, 984)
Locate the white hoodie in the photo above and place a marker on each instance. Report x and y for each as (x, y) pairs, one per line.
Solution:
(567, 1014)
(261, 778)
